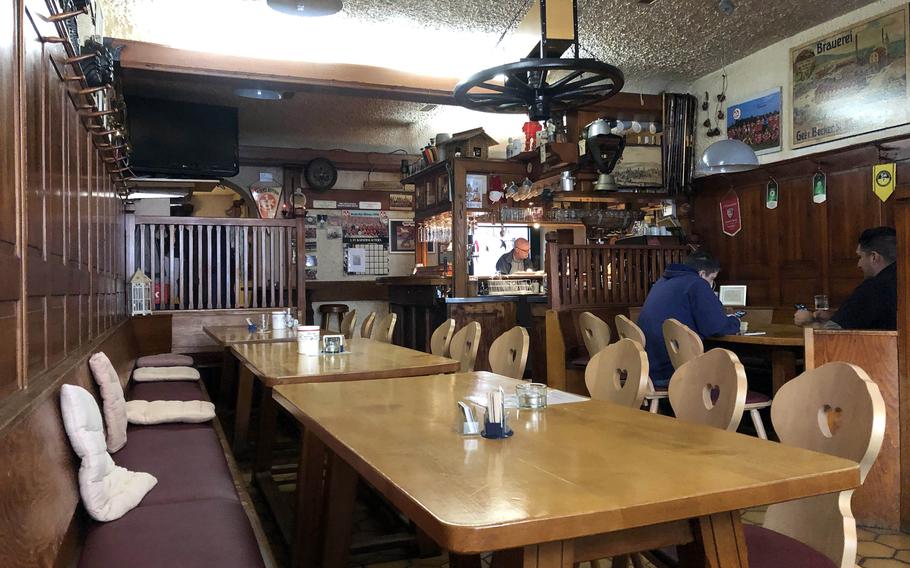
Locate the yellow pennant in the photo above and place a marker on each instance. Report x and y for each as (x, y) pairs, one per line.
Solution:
(883, 180)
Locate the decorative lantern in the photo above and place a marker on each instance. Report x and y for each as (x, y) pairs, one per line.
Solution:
(142, 293)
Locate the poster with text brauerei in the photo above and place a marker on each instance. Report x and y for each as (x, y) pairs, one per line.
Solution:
(850, 81)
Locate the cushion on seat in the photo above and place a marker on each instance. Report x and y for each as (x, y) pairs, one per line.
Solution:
(770, 549)
(107, 491)
(199, 534)
(165, 411)
(165, 374)
(187, 459)
(174, 390)
(579, 362)
(165, 360)
(114, 403)
(753, 397)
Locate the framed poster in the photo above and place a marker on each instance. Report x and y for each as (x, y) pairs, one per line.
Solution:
(639, 166)
(756, 122)
(402, 236)
(850, 81)
(401, 201)
(442, 189)
(475, 190)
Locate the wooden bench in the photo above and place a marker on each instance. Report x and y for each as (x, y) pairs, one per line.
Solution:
(39, 496)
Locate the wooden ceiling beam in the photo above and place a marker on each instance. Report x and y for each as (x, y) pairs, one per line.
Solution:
(342, 78)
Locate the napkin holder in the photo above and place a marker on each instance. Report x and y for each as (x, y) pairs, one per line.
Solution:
(492, 428)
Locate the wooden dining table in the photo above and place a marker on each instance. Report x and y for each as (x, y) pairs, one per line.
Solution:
(576, 481)
(278, 363)
(784, 341)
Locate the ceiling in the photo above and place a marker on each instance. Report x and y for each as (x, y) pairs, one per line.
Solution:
(657, 44)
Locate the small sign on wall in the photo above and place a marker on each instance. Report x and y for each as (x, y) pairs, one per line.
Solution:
(730, 215)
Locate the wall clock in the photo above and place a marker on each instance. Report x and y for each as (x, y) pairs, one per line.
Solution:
(321, 174)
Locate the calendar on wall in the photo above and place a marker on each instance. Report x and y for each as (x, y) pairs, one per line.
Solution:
(365, 235)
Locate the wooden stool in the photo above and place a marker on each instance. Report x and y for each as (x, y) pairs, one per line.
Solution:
(329, 310)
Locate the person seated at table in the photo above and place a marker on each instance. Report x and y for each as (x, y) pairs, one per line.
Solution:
(684, 292)
(873, 304)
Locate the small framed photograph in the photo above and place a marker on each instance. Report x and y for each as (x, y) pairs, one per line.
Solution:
(475, 190)
(442, 189)
(402, 236)
(401, 201)
(421, 192)
(431, 194)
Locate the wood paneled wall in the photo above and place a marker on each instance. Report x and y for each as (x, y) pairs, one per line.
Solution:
(61, 223)
(788, 254)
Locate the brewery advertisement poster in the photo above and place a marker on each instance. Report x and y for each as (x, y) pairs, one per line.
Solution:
(756, 122)
(850, 81)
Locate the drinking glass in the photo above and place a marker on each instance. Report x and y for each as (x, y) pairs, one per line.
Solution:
(821, 302)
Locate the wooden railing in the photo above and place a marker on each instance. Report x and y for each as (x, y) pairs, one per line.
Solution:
(598, 275)
(207, 263)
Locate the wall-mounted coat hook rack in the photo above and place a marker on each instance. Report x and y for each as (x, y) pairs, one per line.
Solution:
(65, 15)
(98, 113)
(74, 78)
(78, 58)
(106, 133)
(54, 39)
(92, 90)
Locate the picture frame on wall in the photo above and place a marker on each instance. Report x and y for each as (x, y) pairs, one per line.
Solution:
(442, 189)
(421, 194)
(401, 201)
(756, 121)
(402, 236)
(863, 68)
(475, 190)
(431, 193)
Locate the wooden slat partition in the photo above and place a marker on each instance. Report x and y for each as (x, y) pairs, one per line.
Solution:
(878, 502)
(210, 263)
(599, 275)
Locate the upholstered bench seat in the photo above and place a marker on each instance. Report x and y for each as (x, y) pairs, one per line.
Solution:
(146, 374)
(168, 390)
(770, 549)
(195, 534)
(165, 360)
(187, 460)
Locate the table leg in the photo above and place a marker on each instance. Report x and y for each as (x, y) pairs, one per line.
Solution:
(340, 492)
(464, 560)
(268, 412)
(228, 381)
(559, 554)
(305, 550)
(243, 410)
(719, 543)
(783, 367)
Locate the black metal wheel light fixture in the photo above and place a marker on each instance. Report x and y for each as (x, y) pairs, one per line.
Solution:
(544, 82)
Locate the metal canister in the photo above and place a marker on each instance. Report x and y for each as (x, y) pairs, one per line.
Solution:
(566, 182)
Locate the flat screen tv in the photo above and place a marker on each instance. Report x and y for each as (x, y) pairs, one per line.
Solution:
(180, 139)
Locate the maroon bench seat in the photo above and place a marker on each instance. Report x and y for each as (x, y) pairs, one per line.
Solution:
(195, 534)
(166, 390)
(187, 460)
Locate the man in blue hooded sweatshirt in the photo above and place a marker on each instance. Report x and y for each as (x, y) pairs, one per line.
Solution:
(684, 292)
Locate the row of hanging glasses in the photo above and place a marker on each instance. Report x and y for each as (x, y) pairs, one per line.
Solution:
(436, 229)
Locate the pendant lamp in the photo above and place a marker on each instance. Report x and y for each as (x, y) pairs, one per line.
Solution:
(728, 156)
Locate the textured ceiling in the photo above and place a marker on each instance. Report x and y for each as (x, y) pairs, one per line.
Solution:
(666, 41)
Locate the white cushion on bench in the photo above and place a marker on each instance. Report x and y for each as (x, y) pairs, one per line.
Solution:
(162, 411)
(148, 374)
(108, 491)
(165, 360)
(112, 397)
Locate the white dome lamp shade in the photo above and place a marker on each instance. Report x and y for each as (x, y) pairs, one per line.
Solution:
(306, 8)
(726, 157)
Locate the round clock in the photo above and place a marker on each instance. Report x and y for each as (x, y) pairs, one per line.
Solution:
(321, 174)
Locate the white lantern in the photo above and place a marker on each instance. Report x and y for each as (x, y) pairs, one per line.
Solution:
(142, 293)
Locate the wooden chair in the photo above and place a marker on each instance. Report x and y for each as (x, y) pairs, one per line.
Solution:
(835, 409)
(627, 329)
(619, 373)
(348, 324)
(367, 328)
(594, 331)
(464, 346)
(442, 338)
(683, 345)
(710, 389)
(384, 328)
(509, 353)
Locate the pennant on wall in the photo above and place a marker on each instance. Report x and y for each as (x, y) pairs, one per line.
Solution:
(771, 194)
(819, 187)
(883, 180)
(730, 216)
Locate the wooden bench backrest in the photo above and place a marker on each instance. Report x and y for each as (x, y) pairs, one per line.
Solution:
(39, 493)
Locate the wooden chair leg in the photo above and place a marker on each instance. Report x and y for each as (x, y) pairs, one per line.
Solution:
(636, 561)
(759, 425)
(621, 561)
(654, 405)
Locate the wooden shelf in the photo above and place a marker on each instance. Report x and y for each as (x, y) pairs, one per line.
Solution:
(432, 211)
(436, 168)
(613, 197)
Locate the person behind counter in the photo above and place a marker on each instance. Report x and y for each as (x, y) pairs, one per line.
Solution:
(516, 260)
(873, 304)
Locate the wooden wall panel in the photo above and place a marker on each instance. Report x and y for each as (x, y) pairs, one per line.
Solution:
(9, 318)
(788, 254)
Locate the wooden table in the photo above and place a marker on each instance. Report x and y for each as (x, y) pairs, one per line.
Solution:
(576, 482)
(784, 341)
(228, 335)
(274, 364)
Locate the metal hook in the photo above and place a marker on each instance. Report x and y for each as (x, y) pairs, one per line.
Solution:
(65, 15)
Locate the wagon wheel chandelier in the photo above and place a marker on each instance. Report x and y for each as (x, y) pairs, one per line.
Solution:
(544, 82)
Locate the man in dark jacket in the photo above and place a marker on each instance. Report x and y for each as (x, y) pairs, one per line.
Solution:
(684, 292)
(516, 260)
